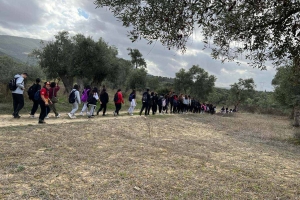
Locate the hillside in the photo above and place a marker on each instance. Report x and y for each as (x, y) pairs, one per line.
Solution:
(18, 47)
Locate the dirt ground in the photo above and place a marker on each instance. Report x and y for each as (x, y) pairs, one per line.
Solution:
(191, 156)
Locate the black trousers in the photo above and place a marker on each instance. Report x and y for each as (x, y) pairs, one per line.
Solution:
(118, 107)
(159, 108)
(148, 109)
(35, 106)
(154, 108)
(18, 103)
(144, 106)
(103, 106)
(44, 110)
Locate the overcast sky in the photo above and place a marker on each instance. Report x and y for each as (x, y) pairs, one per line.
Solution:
(42, 19)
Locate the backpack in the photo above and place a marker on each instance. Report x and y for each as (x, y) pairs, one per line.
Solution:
(130, 97)
(116, 98)
(37, 95)
(145, 97)
(84, 96)
(72, 96)
(31, 91)
(13, 84)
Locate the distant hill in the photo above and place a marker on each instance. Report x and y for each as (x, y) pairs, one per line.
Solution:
(18, 47)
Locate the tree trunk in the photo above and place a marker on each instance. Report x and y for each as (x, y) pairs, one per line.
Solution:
(296, 116)
(80, 83)
(68, 83)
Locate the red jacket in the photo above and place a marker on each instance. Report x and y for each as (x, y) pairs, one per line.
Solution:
(120, 98)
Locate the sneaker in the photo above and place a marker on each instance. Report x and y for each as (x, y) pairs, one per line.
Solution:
(81, 113)
(131, 114)
(90, 116)
(114, 113)
(42, 122)
(47, 117)
(17, 116)
(87, 113)
(32, 116)
(73, 117)
(57, 116)
(70, 115)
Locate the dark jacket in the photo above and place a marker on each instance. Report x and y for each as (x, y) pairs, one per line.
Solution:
(104, 97)
(148, 97)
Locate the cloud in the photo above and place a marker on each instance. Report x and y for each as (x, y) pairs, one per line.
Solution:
(43, 19)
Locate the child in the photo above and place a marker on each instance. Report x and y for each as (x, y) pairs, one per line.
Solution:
(132, 102)
(74, 99)
(84, 99)
(92, 101)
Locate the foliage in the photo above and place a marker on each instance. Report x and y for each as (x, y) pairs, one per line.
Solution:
(78, 56)
(262, 30)
(137, 79)
(9, 67)
(218, 96)
(196, 82)
(241, 91)
(137, 58)
(287, 91)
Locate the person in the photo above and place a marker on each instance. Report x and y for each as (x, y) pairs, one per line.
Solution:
(145, 100)
(175, 104)
(44, 102)
(92, 101)
(31, 92)
(171, 101)
(160, 103)
(118, 99)
(185, 103)
(132, 101)
(180, 104)
(104, 98)
(154, 106)
(150, 103)
(17, 94)
(165, 104)
(84, 99)
(223, 110)
(76, 102)
(54, 88)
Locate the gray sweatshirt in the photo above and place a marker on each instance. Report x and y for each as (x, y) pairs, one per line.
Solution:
(77, 96)
(20, 84)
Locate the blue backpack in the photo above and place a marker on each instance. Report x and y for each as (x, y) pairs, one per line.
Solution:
(130, 97)
(37, 95)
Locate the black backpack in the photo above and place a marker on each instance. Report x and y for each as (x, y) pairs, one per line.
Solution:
(145, 97)
(116, 98)
(31, 91)
(12, 85)
(72, 97)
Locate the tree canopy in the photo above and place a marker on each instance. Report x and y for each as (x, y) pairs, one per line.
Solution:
(196, 82)
(137, 58)
(261, 30)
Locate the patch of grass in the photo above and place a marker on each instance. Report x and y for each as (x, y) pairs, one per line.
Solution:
(187, 157)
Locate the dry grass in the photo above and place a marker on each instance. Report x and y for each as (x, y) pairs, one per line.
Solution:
(176, 157)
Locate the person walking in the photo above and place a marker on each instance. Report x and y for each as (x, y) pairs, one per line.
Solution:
(92, 101)
(118, 99)
(74, 99)
(104, 98)
(154, 106)
(44, 103)
(132, 100)
(150, 103)
(145, 101)
(84, 100)
(54, 88)
(17, 94)
(31, 93)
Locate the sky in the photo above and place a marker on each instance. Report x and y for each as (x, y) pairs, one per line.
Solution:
(43, 19)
